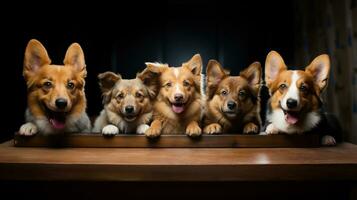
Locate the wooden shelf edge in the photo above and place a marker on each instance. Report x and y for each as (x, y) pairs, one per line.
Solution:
(169, 141)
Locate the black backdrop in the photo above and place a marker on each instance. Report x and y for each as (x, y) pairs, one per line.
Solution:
(122, 37)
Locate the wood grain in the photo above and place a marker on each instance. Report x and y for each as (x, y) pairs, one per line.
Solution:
(169, 141)
(178, 164)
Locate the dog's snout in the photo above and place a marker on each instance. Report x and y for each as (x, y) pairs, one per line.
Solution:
(129, 109)
(231, 105)
(291, 103)
(178, 97)
(61, 103)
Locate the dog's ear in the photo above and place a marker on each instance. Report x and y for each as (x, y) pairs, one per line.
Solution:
(35, 57)
(274, 64)
(75, 58)
(107, 81)
(253, 74)
(215, 74)
(319, 68)
(194, 64)
(157, 68)
(151, 80)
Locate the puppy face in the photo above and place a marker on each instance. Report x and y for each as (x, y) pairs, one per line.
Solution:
(129, 98)
(178, 86)
(233, 95)
(296, 92)
(54, 91)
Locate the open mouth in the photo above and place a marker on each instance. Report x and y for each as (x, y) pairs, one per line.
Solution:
(291, 117)
(130, 117)
(56, 119)
(178, 107)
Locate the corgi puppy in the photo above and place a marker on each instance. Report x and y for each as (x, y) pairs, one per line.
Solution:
(177, 108)
(233, 101)
(127, 104)
(295, 102)
(56, 98)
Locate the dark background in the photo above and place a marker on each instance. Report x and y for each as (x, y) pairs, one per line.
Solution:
(122, 38)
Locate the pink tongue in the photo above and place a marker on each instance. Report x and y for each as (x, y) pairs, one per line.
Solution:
(177, 109)
(57, 124)
(291, 119)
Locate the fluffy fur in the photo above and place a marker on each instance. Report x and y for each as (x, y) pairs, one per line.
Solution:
(233, 104)
(295, 104)
(177, 108)
(127, 104)
(56, 98)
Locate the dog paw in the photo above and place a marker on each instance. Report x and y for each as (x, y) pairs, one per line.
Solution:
(152, 132)
(250, 128)
(142, 128)
(270, 130)
(214, 128)
(110, 130)
(328, 140)
(28, 129)
(193, 130)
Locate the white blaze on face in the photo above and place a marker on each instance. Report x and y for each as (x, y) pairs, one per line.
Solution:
(177, 85)
(293, 91)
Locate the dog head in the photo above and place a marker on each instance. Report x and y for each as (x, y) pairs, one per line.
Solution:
(296, 92)
(54, 91)
(129, 98)
(178, 86)
(233, 95)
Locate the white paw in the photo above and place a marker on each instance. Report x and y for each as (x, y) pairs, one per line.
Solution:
(142, 128)
(270, 130)
(28, 129)
(110, 130)
(328, 140)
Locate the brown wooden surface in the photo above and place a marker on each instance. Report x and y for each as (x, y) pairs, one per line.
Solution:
(174, 141)
(178, 164)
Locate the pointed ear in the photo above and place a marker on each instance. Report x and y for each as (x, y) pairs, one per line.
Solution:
(274, 64)
(253, 74)
(320, 70)
(156, 67)
(194, 64)
(215, 74)
(107, 81)
(75, 57)
(151, 80)
(35, 57)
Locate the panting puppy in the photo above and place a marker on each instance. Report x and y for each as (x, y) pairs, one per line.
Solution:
(232, 101)
(177, 108)
(295, 103)
(127, 104)
(56, 98)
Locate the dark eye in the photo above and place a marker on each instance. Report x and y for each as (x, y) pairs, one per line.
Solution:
(138, 95)
(169, 84)
(241, 94)
(283, 86)
(186, 83)
(303, 88)
(70, 85)
(120, 96)
(224, 93)
(47, 84)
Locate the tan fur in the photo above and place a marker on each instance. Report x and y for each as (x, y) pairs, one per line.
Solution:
(119, 93)
(38, 72)
(243, 90)
(186, 79)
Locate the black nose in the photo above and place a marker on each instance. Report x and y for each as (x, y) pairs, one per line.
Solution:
(61, 103)
(178, 97)
(129, 109)
(231, 105)
(291, 103)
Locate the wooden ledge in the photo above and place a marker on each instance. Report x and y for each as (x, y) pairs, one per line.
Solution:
(174, 141)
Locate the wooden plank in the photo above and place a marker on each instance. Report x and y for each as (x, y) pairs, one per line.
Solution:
(179, 164)
(167, 141)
